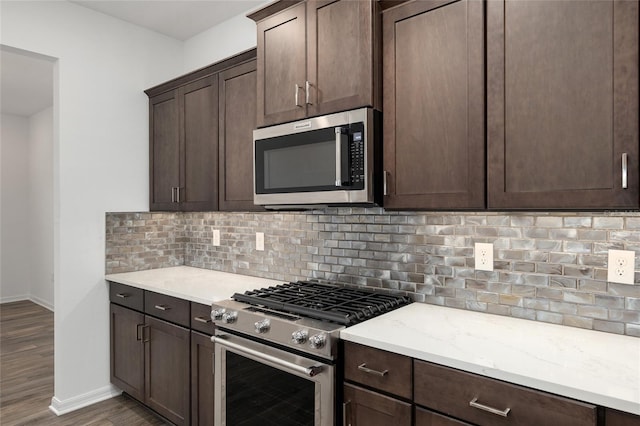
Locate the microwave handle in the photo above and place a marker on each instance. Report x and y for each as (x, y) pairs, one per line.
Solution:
(342, 155)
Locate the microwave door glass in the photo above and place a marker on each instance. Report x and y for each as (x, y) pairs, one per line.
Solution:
(307, 166)
(299, 162)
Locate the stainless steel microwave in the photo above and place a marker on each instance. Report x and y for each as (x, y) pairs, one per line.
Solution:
(323, 161)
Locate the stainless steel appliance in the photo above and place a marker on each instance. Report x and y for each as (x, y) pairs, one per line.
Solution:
(323, 161)
(277, 351)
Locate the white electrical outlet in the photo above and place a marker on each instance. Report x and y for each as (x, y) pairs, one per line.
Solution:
(260, 241)
(622, 265)
(484, 256)
(216, 237)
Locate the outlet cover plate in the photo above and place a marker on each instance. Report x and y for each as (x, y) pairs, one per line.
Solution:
(484, 256)
(216, 237)
(260, 241)
(622, 266)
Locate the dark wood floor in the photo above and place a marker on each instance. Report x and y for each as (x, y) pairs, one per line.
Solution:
(26, 376)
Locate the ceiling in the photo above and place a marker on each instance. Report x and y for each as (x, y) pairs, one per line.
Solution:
(179, 19)
(26, 81)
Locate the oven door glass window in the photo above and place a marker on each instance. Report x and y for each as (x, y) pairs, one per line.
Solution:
(260, 395)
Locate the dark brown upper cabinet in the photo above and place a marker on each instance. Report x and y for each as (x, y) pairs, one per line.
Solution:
(184, 147)
(433, 75)
(316, 57)
(237, 112)
(562, 104)
(199, 157)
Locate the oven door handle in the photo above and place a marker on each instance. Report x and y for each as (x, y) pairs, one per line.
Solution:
(307, 371)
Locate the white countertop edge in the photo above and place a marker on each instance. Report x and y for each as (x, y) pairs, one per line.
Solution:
(198, 285)
(531, 382)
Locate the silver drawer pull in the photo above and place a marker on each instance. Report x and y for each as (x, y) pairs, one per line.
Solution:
(202, 319)
(363, 367)
(474, 403)
(122, 295)
(162, 307)
(625, 161)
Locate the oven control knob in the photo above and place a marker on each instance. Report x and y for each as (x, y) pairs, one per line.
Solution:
(262, 326)
(216, 314)
(229, 317)
(317, 341)
(299, 337)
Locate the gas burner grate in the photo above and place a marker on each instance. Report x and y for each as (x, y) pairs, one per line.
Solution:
(346, 306)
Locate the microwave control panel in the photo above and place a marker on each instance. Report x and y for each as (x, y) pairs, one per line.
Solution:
(357, 158)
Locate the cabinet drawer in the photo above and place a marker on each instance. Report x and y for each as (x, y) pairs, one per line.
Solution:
(429, 418)
(363, 407)
(201, 318)
(379, 369)
(125, 295)
(618, 418)
(490, 402)
(166, 307)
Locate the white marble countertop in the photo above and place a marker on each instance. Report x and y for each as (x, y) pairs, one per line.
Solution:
(194, 284)
(592, 366)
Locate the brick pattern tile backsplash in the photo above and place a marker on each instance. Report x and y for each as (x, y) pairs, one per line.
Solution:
(549, 267)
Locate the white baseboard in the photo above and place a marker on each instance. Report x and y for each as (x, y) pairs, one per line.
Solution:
(44, 303)
(75, 403)
(10, 299)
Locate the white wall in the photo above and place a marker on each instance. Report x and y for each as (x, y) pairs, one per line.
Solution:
(100, 164)
(226, 39)
(40, 208)
(14, 192)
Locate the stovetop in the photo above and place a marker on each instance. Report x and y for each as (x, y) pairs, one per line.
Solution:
(326, 302)
(304, 316)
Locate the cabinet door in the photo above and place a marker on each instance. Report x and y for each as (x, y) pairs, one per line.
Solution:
(201, 380)
(618, 418)
(164, 151)
(430, 418)
(237, 112)
(167, 370)
(199, 148)
(342, 55)
(281, 66)
(367, 408)
(433, 76)
(127, 350)
(562, 104)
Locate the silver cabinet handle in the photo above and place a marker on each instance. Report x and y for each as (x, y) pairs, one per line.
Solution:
(122, 295)
(625, 161)
(296, 95)
(177, 194)
(346, 419)
(145, 327)
(384, 183)
(307, 89)
(139, 329)
(202, 319)
(307, 371)
(173, 194)
(363, 367)
(162, 307)
(475, 404)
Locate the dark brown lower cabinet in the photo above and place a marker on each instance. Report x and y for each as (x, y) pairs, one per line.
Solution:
(618, 418)
(150, 360)
(488, 402)
(167, 370)
(429, 418)
(201, 379)
(367, 408)
(127, 350)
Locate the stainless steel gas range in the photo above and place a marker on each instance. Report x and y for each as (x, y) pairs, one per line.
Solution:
(277, 351)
